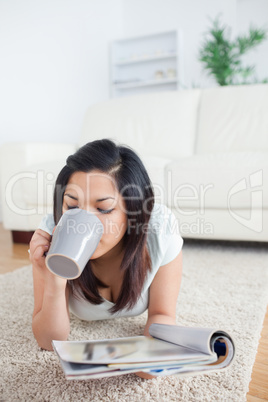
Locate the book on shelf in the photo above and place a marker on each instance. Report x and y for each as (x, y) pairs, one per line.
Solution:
(170, 350)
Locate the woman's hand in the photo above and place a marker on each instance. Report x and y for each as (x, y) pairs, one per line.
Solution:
(51, 313)
(145, 376)
(39, 246)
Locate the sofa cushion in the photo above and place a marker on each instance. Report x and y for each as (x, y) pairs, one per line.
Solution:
(220, 181)
(233, 118)
(161, 124)
(155, 167)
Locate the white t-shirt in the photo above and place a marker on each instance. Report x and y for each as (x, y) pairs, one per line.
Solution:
(164, 244)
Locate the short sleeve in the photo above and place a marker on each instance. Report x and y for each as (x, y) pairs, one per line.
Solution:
(47, 224)
(164, 240)
(172, 239)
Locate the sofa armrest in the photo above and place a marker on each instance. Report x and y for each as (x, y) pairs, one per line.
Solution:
(31, 153)
(18, 162)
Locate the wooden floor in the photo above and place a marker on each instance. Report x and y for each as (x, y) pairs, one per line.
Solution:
(13, 256)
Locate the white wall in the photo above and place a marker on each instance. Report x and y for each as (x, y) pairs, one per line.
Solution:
(54, 64)
(192, 16)
(254, 13)
(54, 54)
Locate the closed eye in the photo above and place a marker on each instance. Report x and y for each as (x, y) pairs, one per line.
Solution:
(105, 211)
(72, 207)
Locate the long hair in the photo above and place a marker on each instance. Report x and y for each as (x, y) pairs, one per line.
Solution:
(133, 183)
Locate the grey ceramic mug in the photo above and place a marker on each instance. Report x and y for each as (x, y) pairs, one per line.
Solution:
(74, 241)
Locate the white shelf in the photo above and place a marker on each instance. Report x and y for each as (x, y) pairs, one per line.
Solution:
(145, 59)
(163, 81)
(146, 63)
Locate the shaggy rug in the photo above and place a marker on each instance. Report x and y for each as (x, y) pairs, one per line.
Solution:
(225, 285)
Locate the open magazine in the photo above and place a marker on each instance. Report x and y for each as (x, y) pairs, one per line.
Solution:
(170, 350)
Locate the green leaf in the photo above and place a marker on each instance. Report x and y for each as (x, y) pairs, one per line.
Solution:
(221, 56)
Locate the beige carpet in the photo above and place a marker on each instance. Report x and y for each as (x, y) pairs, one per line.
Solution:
(224, 285)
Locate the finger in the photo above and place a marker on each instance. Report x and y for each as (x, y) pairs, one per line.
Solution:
(39, 237)
(42, 233)
(38, 241)
(39, 252)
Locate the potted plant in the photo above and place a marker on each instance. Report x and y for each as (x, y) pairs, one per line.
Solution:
(222, 57)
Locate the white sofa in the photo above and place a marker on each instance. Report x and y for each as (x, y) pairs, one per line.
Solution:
(206, 152)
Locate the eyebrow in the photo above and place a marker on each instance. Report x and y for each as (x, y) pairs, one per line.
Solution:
(71, 196)
(105, 198)
(99, 200)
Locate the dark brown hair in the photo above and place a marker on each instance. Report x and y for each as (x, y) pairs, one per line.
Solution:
(134, 184)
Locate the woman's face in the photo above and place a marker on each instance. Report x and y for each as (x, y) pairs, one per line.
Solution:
(96, 192)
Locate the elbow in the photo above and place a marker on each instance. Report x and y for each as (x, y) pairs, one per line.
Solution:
(44, 345)
(44, 340)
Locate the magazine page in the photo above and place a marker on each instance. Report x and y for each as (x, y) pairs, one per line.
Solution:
(126, 350)
(218, 342)
(174, 350)
(198, 339)
(77, 371)
(80, 371)
(222, 363)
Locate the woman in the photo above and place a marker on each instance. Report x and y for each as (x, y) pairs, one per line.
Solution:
(137, 264)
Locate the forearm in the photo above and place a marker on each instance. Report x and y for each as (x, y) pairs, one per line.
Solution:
(152, 319)
(159, 319)
(52, 321)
